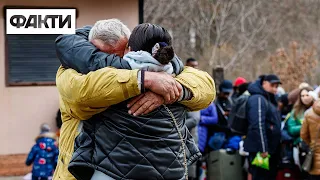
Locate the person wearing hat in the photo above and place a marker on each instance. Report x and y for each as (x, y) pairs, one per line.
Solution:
(45, 128)
(43, 155)
(223, 102)
(220, 131)
(236, 84)
(264, 125)
(223, 108)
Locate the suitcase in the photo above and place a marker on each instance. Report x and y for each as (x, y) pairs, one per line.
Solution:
(225, 165)
(288, 171)
(288, 174)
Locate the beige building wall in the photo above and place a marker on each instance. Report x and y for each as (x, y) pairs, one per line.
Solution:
(23, 109)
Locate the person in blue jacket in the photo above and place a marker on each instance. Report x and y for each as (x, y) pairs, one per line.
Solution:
(43, 155)
(264, 130)
(208, 117)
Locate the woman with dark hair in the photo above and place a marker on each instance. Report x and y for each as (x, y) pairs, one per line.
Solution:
(145, 36)
(117, 145)
(150, 49)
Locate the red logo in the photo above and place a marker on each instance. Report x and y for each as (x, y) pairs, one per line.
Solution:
(42, 161)
(42, 145)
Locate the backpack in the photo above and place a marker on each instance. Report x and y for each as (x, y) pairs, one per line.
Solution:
(238, 116)
(238, 120)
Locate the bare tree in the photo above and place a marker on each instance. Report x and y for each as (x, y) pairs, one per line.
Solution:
(233, 26)
(293, 66)
(238, 35)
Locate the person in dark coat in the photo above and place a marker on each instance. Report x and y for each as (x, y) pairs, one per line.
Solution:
(264, 131)
(284, 106)
(236, 88)
(218, 133)
(43, 155)
(223, 106)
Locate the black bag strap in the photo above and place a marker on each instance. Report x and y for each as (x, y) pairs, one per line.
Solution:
(221, 109)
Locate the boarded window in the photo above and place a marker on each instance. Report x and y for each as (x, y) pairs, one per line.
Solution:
(31, 59)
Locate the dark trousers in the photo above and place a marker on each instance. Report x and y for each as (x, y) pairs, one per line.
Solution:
(311, 177)
(263, 174)
(39, 178)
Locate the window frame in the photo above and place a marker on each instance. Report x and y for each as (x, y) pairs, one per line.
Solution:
(6, 50)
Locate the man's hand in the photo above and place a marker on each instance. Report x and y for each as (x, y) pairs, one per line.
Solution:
(145, 103)
(264, 154)
(164, 85)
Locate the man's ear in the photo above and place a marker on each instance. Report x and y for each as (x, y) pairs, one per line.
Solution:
(128, 49)
(98, 43)
(102, 46)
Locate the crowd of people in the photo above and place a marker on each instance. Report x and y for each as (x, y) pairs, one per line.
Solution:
(260, 117)
(131, 109)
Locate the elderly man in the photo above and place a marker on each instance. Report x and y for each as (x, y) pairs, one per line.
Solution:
(84, 95)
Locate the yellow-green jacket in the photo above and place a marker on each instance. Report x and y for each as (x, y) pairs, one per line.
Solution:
(82, 96)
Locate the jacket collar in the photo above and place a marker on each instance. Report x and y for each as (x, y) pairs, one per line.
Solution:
(47, 135)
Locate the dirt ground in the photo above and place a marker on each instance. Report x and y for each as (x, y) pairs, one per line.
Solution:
(13, 165)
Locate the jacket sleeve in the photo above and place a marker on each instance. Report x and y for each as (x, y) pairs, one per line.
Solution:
(32, 155)
(201, 85)
(211, 117)
(192, 119)
(293, 127)
(86, 95)
(304, 133)
(257, 119)
(76, 52)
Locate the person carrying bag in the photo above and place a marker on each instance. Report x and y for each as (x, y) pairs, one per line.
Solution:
(310, 132)
(308, 162)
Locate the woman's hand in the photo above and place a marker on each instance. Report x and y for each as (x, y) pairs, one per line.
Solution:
(145, 103)
(164, 85)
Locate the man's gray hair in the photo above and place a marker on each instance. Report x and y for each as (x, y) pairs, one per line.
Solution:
(109, 31)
